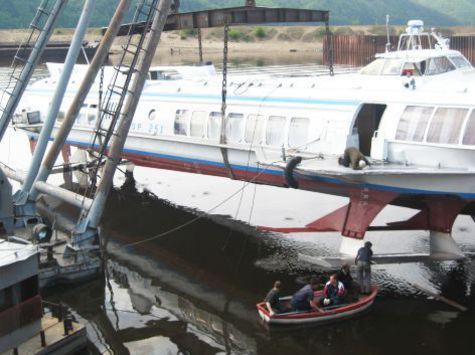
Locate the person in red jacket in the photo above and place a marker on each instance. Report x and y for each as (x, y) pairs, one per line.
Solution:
(333, 293)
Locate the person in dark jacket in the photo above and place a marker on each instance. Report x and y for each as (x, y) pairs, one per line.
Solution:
(344, 276)
(363, 265)
(303, 300)
(272, 299)
(351, 287)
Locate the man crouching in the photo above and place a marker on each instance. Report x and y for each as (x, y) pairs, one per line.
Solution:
(333, 293)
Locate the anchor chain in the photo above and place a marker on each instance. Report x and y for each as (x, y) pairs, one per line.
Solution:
(224, 92)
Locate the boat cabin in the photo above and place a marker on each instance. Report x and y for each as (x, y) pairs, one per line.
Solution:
(20, 302)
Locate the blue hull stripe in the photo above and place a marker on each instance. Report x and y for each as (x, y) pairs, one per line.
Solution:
(327, 180)
(178, 96)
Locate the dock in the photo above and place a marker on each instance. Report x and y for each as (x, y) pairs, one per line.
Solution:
(54, 52)
(53, 340)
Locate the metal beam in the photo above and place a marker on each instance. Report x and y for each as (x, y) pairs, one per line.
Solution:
(88, 224)
(88, 81)
(67, 196)
(60, 91)
(245, 15)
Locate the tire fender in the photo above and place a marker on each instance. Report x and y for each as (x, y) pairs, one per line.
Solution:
(289, 172)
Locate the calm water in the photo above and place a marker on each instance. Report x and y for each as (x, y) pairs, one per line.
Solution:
(194, 291)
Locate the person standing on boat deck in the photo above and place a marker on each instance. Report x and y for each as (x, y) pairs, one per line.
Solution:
(363, 265)
(303, 299)
(272, 299)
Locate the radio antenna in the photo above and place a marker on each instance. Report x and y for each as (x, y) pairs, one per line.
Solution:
(388, 43)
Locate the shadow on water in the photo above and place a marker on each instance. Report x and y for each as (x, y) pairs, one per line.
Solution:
(194, 292)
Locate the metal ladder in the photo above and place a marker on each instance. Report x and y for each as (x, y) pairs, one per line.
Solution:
(41, 28)
(118, 89)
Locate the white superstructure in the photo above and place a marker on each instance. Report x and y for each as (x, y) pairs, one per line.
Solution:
(410, 111)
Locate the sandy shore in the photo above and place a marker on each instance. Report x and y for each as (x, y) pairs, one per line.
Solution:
(274, 45)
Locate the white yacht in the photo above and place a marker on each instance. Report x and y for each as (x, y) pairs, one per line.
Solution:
(410, 111)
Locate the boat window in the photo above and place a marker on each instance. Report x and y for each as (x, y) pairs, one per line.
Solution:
(469, 136)
(214, 125)
(413, 123)
(92, 114)
(29, 288)
(392, 67)
(82, 116)
(235, 127)
(373, 68)
(275, 131)
(253, 132)
(446, 125)
(413, 69)
(439, 65)
(182, 120)
(298, 132)
(198, 120)
(460, 61)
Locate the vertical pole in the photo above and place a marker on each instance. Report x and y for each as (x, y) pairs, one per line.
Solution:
(68, 122)
(30, 64)
(115, 153)
(329, 48)
(200, 45)
(63, 82)
(43, 338)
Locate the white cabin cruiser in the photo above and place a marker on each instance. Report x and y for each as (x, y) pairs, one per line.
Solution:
(411, 112)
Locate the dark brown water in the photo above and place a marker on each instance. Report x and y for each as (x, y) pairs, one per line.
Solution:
(194, 291)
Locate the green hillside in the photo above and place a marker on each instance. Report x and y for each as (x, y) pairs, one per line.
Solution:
(18, 13)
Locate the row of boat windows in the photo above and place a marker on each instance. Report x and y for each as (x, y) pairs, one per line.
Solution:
(241, 128)
(442, 125)
(207, 125)
(431, 66)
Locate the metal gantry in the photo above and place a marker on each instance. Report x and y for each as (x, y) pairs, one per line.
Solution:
(25, 205)
(87, 227)
(41, 29)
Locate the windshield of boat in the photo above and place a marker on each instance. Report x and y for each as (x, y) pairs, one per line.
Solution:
(429, 66)
(383, 66)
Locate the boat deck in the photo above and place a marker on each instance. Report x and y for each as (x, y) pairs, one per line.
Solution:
(329, 166)
(56, 341)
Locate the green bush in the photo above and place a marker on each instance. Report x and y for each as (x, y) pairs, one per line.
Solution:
(191, 32)
(321, 31)
(235, 35)
(260, 32)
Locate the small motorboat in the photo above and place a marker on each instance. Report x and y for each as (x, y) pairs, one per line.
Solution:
(327, 315)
